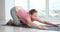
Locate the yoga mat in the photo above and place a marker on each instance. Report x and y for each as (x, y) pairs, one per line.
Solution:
(53, 28)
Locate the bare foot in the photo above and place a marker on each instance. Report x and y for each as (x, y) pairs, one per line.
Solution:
(10, 22)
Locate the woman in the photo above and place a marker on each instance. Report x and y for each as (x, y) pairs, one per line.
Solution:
(27, 18)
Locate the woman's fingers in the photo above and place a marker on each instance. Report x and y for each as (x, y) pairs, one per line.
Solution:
(44, 28)
(58, 24)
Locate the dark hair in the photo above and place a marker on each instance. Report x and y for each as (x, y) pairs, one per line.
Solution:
(32, 11)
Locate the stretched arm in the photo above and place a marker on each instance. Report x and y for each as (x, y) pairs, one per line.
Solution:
(35, 25)
(47, 22)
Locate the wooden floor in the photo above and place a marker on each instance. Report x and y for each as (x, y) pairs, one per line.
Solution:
(21, 29)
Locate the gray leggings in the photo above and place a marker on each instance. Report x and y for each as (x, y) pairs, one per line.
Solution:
(15, 18)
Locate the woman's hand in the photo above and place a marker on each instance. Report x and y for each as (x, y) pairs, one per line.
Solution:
(56, 25)
(44, 28)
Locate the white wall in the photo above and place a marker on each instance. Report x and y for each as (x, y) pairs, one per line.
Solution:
(22, 3)
(2, 9)
(8, 5)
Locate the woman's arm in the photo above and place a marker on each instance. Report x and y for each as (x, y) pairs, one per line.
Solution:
(35, 25)
(47, 22)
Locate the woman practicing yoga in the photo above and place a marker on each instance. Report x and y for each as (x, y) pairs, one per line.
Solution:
(27, 18)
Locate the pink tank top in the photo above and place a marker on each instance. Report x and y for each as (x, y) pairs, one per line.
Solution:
(23, 15)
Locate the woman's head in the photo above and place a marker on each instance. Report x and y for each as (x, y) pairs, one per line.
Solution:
(33, 13)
